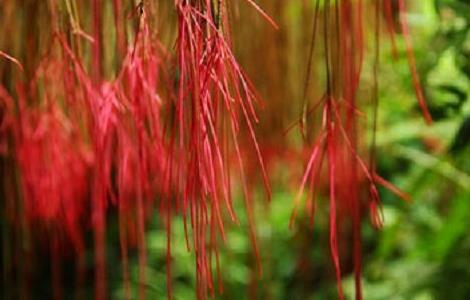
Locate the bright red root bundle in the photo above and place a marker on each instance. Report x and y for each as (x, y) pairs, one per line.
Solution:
(212, 92)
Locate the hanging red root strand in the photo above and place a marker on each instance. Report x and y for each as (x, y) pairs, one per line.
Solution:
(390, 24)
(263, 13)
(12, 59)
(412, 62)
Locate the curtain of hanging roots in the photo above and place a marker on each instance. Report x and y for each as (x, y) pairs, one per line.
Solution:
(141, 110)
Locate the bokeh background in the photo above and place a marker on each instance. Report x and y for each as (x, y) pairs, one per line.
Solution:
(423, 249)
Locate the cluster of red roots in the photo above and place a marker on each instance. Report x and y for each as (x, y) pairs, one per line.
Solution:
(350, 165)
(151, 140)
